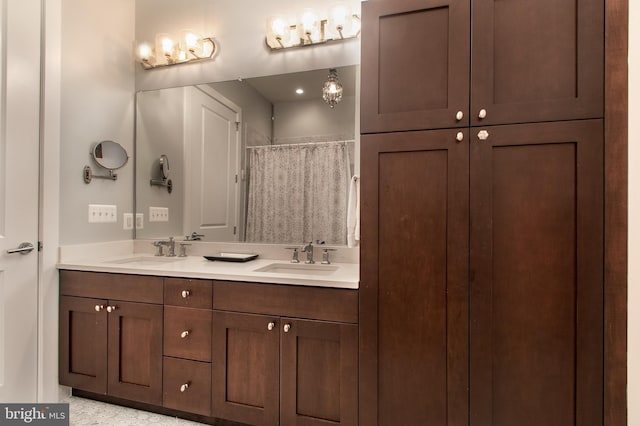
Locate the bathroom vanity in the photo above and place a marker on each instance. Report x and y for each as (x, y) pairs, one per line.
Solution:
(151, 334)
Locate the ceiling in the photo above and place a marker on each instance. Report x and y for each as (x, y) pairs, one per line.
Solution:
(282, 88)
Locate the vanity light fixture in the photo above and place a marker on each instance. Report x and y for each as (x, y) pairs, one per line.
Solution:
(308, 30)
(167, 51)
(332, 89)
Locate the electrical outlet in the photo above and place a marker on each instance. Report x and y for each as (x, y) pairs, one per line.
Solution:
(127, 221)
(103, 213)
(139, 220)
(158, 214)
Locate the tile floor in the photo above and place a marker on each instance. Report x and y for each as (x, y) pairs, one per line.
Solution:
(85, 412)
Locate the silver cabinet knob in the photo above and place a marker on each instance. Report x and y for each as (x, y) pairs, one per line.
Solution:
(483, 135)
(111, 308)
(459, 115)
(184, 387)
(98, 308)
(184, 334)
(460, 136)
(185, 294)
(271, 326)
(286, 328)
(482, 114)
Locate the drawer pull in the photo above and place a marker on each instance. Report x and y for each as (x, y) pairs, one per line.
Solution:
(184, 387)
(271, 325)
(286, 328)
(111, 308)
(184, 334)
(98, 308)
(185, 294)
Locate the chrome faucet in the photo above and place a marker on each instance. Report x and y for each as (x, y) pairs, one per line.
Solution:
(309, 250)
(171, 245)
(294, 254)
(194, 237)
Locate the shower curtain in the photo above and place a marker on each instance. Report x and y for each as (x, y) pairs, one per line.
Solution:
(298, 193)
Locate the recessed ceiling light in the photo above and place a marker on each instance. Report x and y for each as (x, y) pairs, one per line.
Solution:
(299, 91)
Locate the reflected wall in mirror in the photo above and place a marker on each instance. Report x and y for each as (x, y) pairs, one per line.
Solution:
(252, 160)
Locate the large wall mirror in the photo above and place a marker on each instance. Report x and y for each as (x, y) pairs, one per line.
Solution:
(259, 160)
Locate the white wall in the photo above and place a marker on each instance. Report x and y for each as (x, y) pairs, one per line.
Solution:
(97, 92)
(239, 29)
(633, 354)
(313, 120)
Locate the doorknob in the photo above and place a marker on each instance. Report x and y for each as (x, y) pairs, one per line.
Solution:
(24, 248)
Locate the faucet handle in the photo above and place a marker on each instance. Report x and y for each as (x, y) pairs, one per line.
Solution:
(325, 256)
(158, 245)
(183, 249)
(294, 254)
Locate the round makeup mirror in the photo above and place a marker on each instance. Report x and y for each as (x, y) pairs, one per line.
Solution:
(110, 155)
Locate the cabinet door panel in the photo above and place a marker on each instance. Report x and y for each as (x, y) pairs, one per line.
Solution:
(319, 374)
(536, 275)
(414, 303)
(83, 344)
(542, 63)
(415, 64)
(135, 352)
(245, 372)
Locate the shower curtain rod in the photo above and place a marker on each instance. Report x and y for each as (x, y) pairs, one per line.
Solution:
(300, 144)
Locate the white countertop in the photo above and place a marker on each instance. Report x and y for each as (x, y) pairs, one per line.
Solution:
(336, 275)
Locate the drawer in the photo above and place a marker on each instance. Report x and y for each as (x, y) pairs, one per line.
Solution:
(99, 285)
(187, 333)
(188, 293)
(327, 304)
(187, 386)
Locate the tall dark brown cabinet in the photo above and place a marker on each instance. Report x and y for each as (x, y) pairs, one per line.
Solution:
(481, 297)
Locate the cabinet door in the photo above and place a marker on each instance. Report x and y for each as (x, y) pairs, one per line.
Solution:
(537, 61)
(83, 343)
(415, 65)
(413, 289)
(245, 368)
(135, 351)
(536, 275)
(319, 371)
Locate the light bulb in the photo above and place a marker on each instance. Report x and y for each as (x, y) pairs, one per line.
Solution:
(164, 49)
(144, 52)
(167, 46)
(340, 21)
(191, 40)
(278, 31)
(308, 25)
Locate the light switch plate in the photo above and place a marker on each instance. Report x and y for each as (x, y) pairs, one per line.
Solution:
(158, 214)
(103, 213)
(139, 220)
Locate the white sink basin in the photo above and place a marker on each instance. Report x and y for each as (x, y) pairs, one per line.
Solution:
(298, 269)
(146, 260)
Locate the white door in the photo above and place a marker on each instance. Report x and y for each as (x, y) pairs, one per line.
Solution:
(19, 166)
(212, 144)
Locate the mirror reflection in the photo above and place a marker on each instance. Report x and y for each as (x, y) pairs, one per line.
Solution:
(261, 160)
